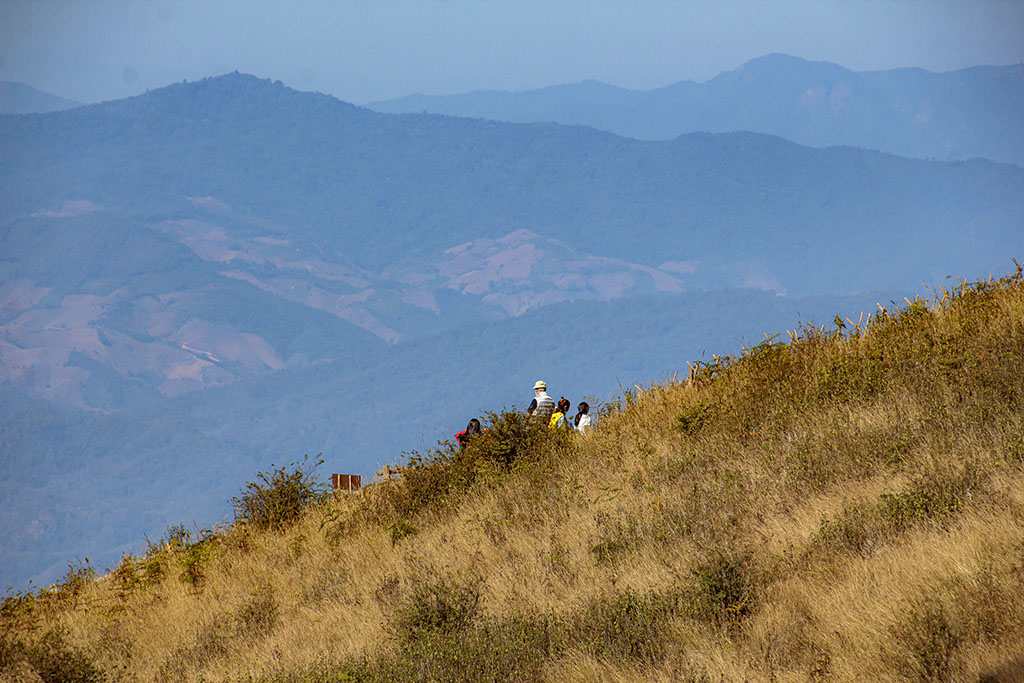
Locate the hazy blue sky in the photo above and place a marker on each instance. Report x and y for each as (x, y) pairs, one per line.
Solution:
(362, 51)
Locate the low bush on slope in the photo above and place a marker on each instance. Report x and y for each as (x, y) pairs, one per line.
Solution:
(847, 505)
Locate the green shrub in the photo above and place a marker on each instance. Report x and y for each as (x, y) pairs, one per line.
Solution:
(439, 479)
(929, 641)
(277, 498)
(444, 637)
(512, 438)
(210, 644)
(76, 578)
(693, 418)
(616, 539)
(852, 531)
(52, 659)
(23, 609)
(606, 551)
(130, 574)
(724, 589)
(1013, 447)
(259, 616)
(253, 620)
(18, 612)
(933, 497)
(176, 536)
(400, 530)
(512, 650)
(140, 573)
(195, 556)
(624, 627)
(443, 605)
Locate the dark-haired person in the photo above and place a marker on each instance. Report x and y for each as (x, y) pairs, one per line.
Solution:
(542, 405)
(472, 430)
(582, 420)
(558, 418)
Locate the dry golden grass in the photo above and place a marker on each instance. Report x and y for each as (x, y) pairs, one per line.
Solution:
(842, 507)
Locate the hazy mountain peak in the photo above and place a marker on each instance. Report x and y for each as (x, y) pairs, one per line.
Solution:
(21, 98)
(777, 65)
(595, 85)
(236, 92)
(777, 59)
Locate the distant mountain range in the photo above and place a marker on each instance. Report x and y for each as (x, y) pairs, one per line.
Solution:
(976, 112)
(372, 189)
(214, 276)
(20, 98)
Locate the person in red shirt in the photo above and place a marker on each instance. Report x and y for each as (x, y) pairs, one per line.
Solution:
(472, 430)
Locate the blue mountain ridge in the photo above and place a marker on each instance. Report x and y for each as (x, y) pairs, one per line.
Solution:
(907, 111)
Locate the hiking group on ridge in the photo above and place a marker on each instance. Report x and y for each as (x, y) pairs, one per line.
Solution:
(558, 413)
(544, 410)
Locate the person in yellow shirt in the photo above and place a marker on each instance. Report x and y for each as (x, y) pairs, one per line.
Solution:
(558, 420)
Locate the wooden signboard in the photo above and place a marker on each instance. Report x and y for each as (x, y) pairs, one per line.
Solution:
(346, 482)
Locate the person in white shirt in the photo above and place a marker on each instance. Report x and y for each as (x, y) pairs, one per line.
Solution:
(582, 420)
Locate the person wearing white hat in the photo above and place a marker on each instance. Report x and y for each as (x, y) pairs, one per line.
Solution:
(542, 405)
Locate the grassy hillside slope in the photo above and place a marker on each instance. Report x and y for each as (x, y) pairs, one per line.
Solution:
(847, 505)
